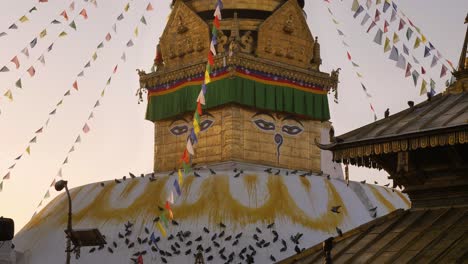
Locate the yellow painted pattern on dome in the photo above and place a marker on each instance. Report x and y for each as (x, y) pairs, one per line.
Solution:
(215, 201)
(382, 200)
(250, 183)
(405, 199)
(305, 183)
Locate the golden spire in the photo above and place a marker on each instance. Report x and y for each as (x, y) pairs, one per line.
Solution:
(462, 65)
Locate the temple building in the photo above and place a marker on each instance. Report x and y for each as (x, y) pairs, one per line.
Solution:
(424, 149)
(261, 190)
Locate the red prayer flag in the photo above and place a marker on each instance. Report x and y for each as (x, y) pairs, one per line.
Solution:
(349, 56)
(86, 128)
(64, 14)
(210, 58)
(168, 206)
(423, 71)
(75, 85)
(185, 157)
(43, 1)
(372, 108)
(216, 22)
(140, 260)
(16, 62)
(108, 37)
(115, 68)
(149, 7)
(199, 108)
(31, 71)
(385, 27)
(84, 14)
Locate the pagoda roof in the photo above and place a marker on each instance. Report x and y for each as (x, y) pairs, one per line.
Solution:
(444, 115)
(404, 236)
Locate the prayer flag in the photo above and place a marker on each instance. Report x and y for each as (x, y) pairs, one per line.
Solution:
(201, 98)
(423, 88)
(13, 26)
(386, 26)
(193, 136)
(120, 17)
(86, 128)
(340, 32)
(64, 14)
(7, 176)
(16, 61)
(387, 44)
(43, 33)
(417, 42)
(161, 229)
(423, 38)
(185, 157)
(423, 71)
(84, 14)
(25, 51)
(33, 43)
(23, 19)
(415, 75)
(136, 32)
(443, 71)
(78, 139)
(33, 140)
(75, 85)
(401, 62)
(143, 20)
(94, 56)
(108, 37)
(177, 187)
(190, 147)
(9, 95)
(358, 11)
(401, 25)
(427, 51)
(73, 25)
(72, 6)
(377, 16)
(394, 54)
(349, 55)
(115, 68)
(199, 108)
(395, 38)
(409, 33)
(378, 37)
(355, 6)
(434, 61)
(393, 17)
(373, 24)
(408, 70)
(63, 34)
(2, 34)
(32, 9)
(31, 71)
(386, 5)
(4, 69)
(127, 6)
(365, 19)
(18, 83)
(149, 7)
(405, 49)
(207, 77)
(181, 177)
(28, 150)
(130, 43)
(217, 12)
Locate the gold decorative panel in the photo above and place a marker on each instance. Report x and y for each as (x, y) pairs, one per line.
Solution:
(286, 37)
(185, 40)
(235, 133)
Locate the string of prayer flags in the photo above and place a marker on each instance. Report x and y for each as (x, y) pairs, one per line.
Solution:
(372, 25)
(377, 16)
(401, 25)
(401, 62)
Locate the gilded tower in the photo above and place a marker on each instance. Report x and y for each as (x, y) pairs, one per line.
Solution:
(267, 102)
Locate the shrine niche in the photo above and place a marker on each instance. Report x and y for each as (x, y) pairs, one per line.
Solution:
(185, 39)
(285, 37)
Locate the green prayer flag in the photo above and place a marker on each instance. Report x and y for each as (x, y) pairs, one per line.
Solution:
(387, 44)
(73, 25)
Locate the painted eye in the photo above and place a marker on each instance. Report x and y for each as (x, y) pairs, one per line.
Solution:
(264, 125)
(292, 130)
(206, 124)
(179, 130)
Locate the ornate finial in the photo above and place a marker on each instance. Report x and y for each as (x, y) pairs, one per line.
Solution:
(234, 38)
(462, 65)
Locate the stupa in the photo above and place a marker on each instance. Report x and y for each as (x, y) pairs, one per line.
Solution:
(260, 189)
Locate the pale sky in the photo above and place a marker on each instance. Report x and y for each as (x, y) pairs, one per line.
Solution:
(120, 140)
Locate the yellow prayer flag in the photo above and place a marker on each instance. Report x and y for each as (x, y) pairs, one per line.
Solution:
(207, 77)
(136, 32)
(181, 177)
(59, 103)
(336, 22)
(9, 95)
(196, 127)
(423, 39)
(359, 75)
(423, 88)
(417, 42)
(127, 7)
(395, 38)
(43, 33)
(103, 92)
(63, 34)
(387, 45)
(94, 56)
(161, 229)
(171, 215)
(28, 150)
(23, 19)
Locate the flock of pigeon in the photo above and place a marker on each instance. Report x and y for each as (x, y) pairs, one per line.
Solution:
(219, 247)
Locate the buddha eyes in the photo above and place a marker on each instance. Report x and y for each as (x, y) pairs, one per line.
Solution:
(182, 129)
(179, 130)
(292, 130)
(206, 124)
(264, 125)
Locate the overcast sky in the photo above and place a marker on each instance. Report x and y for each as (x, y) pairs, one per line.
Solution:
(120, 140)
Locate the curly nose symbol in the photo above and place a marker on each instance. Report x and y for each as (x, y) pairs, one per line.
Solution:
(279, 142)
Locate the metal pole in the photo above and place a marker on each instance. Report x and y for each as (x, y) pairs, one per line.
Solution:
(69, 226)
